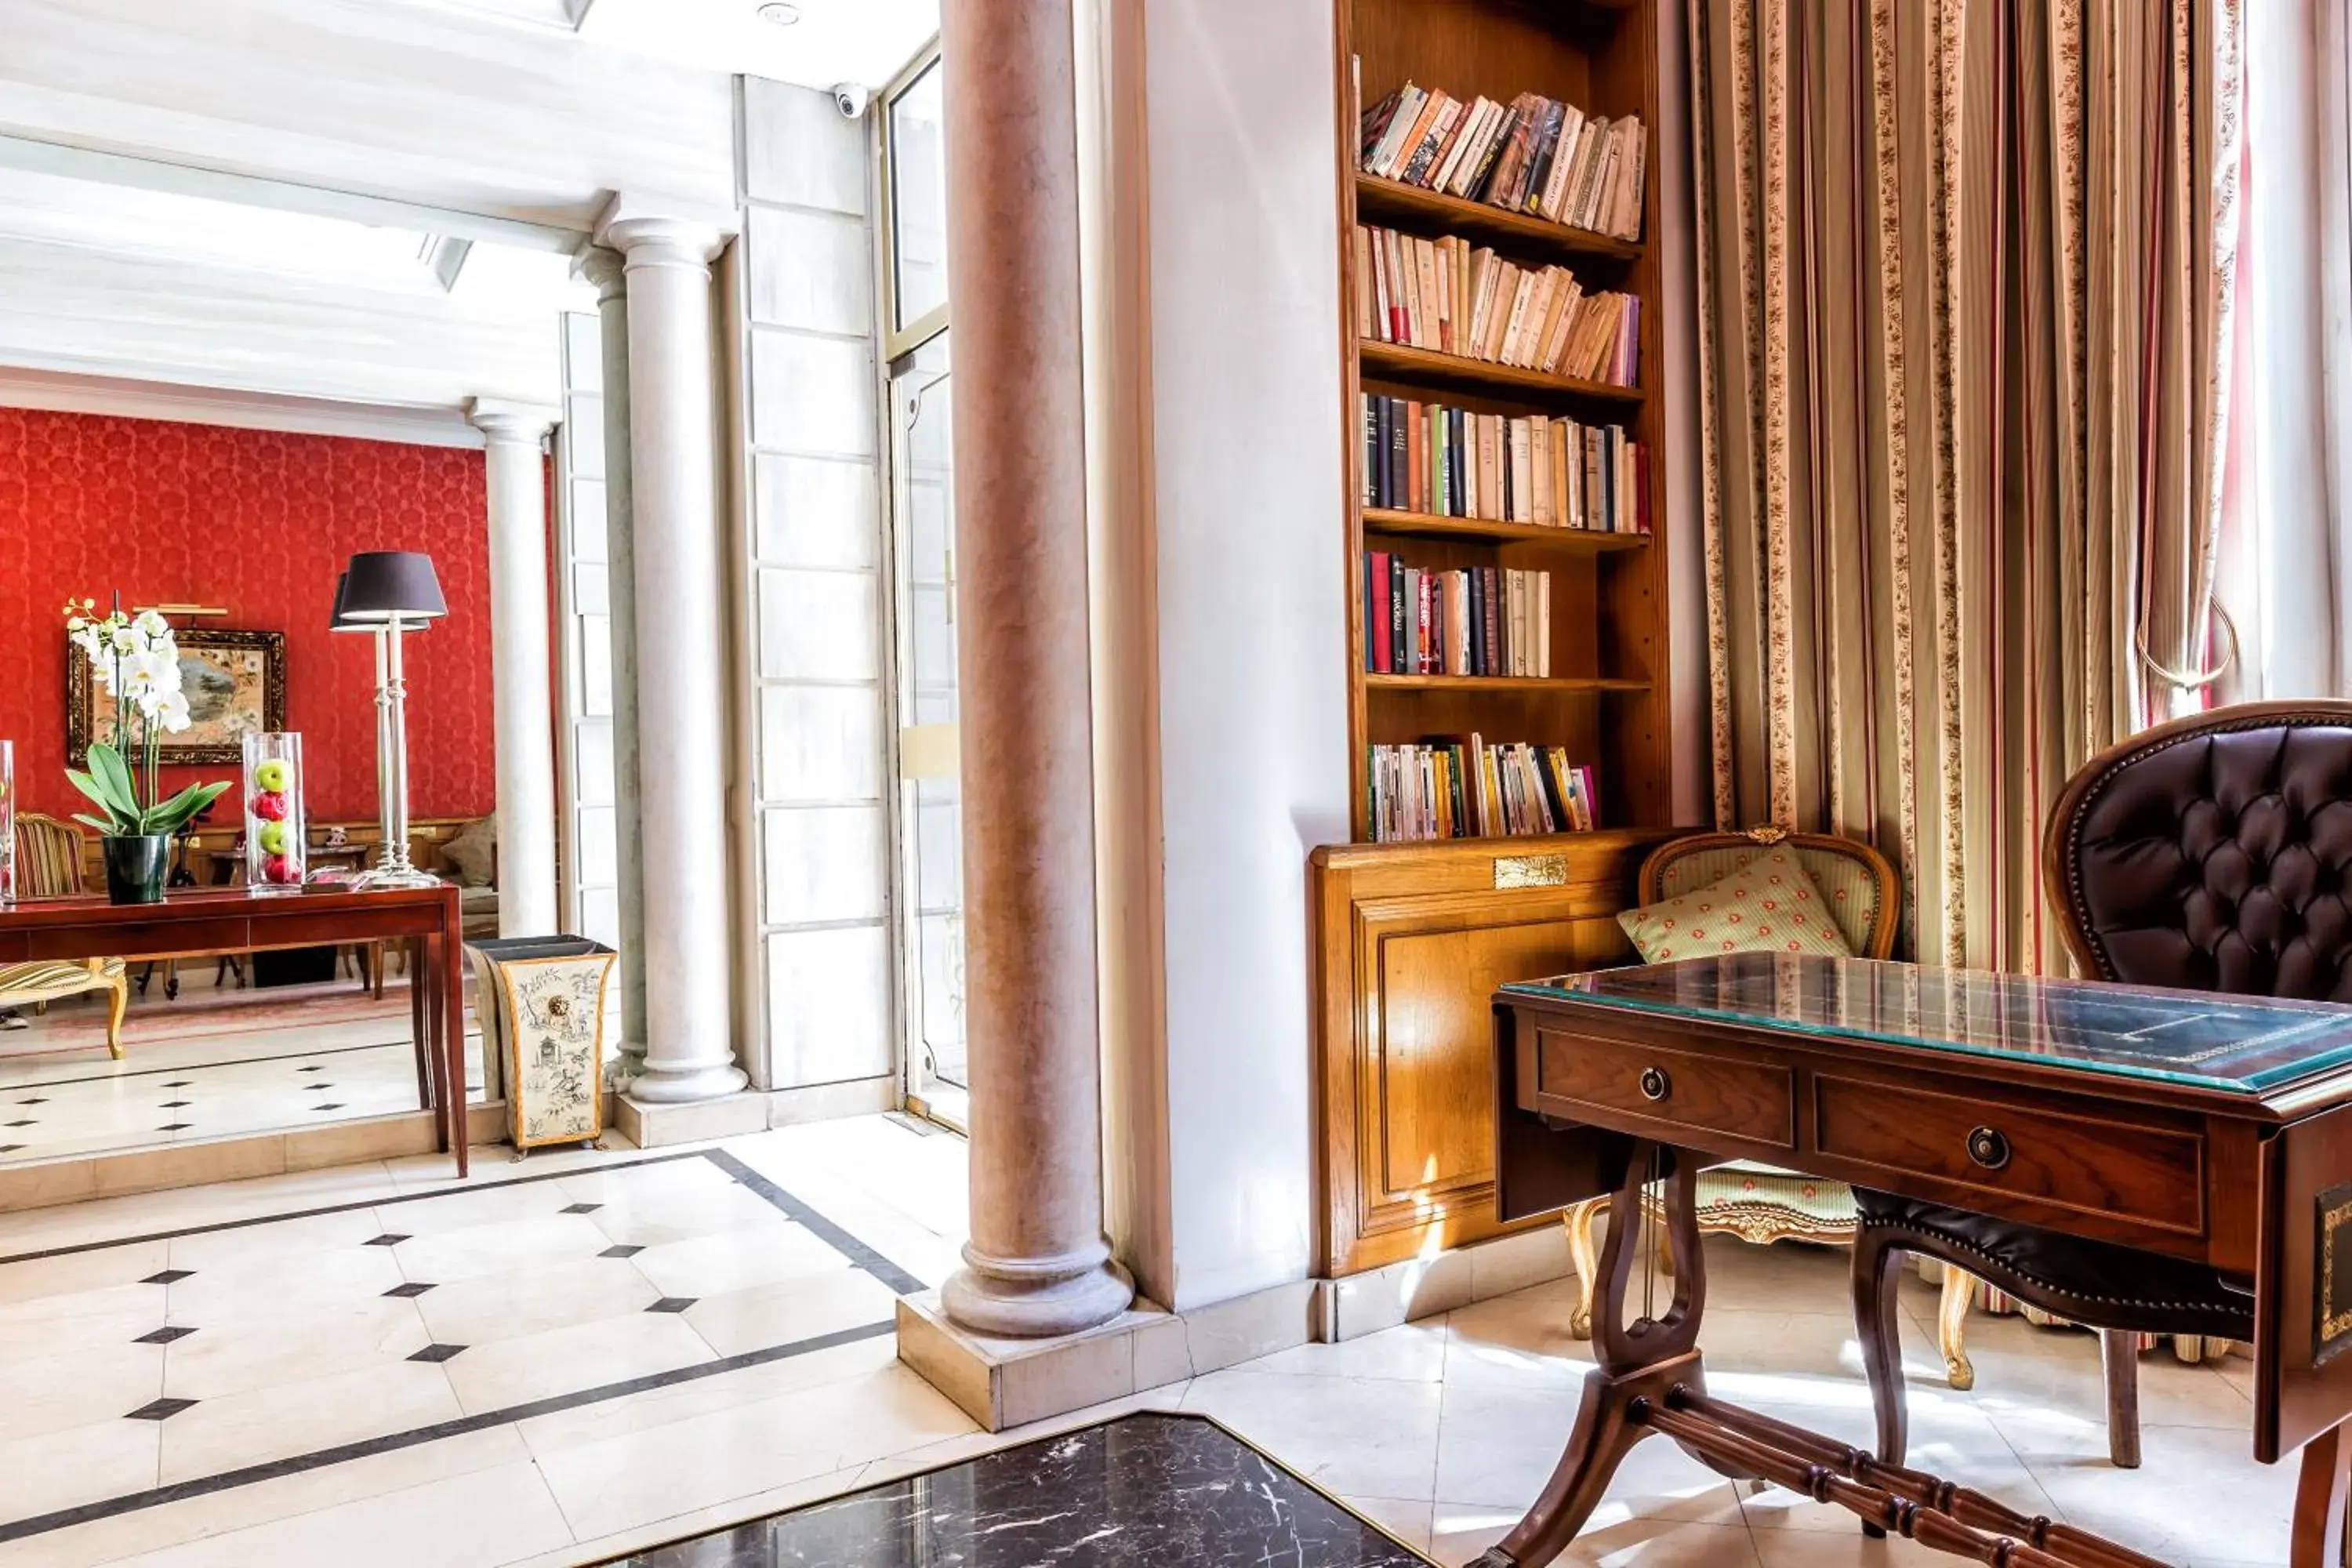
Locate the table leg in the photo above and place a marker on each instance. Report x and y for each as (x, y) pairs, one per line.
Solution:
(2317, 1538)
(452, 980)
(421, 1035)
(1641, 1362)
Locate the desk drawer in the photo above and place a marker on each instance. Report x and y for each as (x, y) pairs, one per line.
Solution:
(1606, 1081)
(2091, 1165)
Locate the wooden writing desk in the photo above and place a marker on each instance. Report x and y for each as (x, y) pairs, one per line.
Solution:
(237, 919)
(2213, 1129)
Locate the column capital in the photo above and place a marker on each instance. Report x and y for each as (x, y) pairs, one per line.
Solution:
(654, 231)
(604, 268)
(504, 419)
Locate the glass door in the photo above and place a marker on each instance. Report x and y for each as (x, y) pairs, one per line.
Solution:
(930, 800)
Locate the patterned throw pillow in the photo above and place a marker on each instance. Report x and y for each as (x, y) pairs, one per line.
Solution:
(1768, 905)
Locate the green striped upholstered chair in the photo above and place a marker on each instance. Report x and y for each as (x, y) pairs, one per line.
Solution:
(48, 865)
(1758, 1202)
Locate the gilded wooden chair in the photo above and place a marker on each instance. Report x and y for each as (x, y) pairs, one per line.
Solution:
(1763, 1204)
(48, 865)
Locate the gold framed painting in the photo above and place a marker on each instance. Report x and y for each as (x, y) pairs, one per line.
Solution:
(235, 682)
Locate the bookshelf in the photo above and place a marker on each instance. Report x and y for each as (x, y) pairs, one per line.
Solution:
(1412, 938)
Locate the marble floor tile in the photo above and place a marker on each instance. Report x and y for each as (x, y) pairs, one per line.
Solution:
(42, 1393)
(704, 1396)
(444, 1256)
(769, 1253)
(478, 1519)
(128, 1534)
(652, 1473)
(1414, 1353)
(52, 1470)
(2196, 1495)
(272, 1286)
(219, 1359)
(1499, 1445)
(42, 1326)
(1948, 1438)
(73, 1273)
(508, 1373)
(1402, 1517)
(657, 1208)
(287, 1419)
(1460, 1532)
(735, 1321)
(1518, 1341)
(534, 1300)
(1356, 1436)
(243, 1245)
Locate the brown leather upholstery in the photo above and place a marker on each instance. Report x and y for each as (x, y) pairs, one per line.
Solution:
(2213, 853)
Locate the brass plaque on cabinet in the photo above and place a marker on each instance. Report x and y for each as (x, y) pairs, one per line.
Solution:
(1530, 870)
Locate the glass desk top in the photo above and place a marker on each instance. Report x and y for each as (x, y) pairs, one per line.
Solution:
(2242, 1045)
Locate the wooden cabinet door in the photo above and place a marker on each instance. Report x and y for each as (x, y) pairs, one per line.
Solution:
(1412, 940)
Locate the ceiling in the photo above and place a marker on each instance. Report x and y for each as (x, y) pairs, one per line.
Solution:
(832, 41)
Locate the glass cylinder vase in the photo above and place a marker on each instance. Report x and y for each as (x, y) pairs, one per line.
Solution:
(7, 823)
(275, 840)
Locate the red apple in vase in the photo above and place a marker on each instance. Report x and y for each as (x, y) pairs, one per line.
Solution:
(270, 806)
(278, 868)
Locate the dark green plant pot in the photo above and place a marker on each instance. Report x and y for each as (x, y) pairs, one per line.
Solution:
(135, 866)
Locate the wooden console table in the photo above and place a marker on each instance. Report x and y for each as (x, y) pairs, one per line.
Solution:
(236, 919)
(2213, 1129)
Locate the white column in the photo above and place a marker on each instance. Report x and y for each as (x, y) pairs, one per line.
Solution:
(522, 680)
(680, 644)
(604, 269)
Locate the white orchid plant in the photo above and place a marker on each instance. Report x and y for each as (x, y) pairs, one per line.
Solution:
(137, 661)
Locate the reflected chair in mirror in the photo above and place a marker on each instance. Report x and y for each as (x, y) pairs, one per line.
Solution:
(1765, 1204)
(2207, 853)
(48, 865)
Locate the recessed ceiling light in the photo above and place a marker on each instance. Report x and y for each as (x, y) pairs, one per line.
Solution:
(782, 13)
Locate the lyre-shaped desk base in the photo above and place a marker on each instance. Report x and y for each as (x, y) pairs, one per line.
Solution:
(1650, 1380)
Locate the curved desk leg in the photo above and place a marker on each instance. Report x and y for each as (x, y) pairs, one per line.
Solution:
(451, 979)
(2317, 1538)
(1639, 1360)
(420, 1032)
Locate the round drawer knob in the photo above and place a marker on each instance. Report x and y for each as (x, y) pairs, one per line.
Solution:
(1989, 1148)
(1655, 1085)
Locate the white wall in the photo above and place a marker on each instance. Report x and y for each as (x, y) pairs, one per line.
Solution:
(1251, 610)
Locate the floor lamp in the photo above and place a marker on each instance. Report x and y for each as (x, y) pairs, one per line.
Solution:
(389, 592)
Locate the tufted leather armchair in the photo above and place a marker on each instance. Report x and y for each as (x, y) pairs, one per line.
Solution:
(2213, 853)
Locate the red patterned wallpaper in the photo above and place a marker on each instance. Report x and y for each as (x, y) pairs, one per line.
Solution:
(259, 522)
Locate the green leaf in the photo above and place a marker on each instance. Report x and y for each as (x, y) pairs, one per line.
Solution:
(122, 815)
(113, 775)
(100, 824)
(167, 817)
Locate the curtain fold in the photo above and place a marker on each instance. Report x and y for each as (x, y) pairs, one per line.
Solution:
(1965, 271)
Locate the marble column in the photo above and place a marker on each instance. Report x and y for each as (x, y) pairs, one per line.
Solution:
(604, 269)
(1038, 1263)
(679, 651)
(522, 679)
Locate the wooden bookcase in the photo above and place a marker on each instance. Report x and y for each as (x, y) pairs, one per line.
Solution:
(1412, 938)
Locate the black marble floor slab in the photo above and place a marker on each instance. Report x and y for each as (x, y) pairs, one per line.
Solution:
(1144, 1489)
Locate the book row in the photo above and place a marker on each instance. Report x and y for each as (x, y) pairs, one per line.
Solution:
(1457, 462)
(1457, 786)
(1534, 154)
(1480, 620)
(1449, 295)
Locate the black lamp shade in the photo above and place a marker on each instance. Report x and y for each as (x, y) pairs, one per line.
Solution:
(383, 585)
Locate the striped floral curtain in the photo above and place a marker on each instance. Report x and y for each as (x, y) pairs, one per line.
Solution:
(1964, 273)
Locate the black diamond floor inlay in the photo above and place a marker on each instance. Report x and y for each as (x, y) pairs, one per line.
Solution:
(318, 1083)
(179, 1083)
(329, 1105)
(436, 1353)
(10, 1148)
(175, 1127)
(163, 1336)
(580, 1208)
(389, 1239)
(37, 1099)
(673, 1304)
(22, 1122)
(169, 1277)
(314, 1066)
(160, 1410)
(410, 1288)
(175, 1104)
(622, 1250)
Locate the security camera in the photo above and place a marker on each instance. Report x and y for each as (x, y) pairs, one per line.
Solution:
(851, 97)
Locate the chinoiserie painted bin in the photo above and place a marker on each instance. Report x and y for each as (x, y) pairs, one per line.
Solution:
(540, 1000)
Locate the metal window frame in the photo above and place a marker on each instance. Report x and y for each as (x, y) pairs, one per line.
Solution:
(897, 342)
